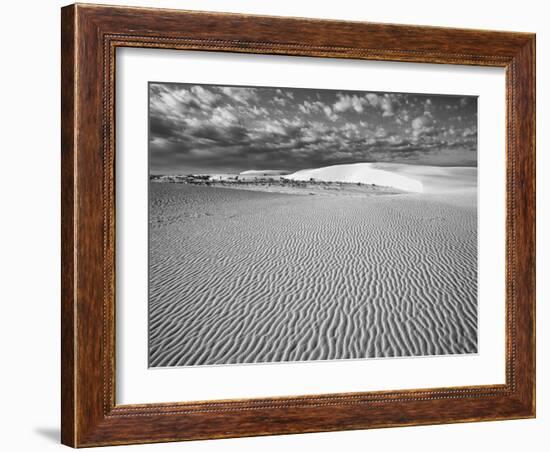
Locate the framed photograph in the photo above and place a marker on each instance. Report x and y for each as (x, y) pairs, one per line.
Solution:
(281, 225)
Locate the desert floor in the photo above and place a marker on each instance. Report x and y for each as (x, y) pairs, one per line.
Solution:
(240, 276)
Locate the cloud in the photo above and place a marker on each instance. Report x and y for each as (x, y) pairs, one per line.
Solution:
(161, 127)
(469, 132)
(221, 136)
(223, 117)
(308, 107)
(279, 101)
(422, 125)
(204, 96)
(234, 128)
(380, 132)
(346, 102)
(328, 112)
(241, 95)
(373, 99)
(254, 111)
(174, 101)
(273, 128)
(418, 123)
(385, 103)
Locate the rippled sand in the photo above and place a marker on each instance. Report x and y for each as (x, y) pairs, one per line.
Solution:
(239, 276)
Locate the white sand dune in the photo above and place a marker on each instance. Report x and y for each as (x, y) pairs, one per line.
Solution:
(437, 179)
(410, 178)
(239, 276)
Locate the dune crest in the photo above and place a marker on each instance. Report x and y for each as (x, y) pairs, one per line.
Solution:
(365, 173)
(411, 178)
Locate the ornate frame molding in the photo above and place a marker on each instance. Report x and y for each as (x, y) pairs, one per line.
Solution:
(90, 37)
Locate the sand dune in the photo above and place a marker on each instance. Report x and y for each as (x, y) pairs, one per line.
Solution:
(411, 178)
(239, 276)
(437, 179)
(365, 173)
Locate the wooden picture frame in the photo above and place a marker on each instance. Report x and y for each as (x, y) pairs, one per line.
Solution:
(90, 36)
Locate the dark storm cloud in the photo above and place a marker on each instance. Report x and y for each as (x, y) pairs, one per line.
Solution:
(227, 128)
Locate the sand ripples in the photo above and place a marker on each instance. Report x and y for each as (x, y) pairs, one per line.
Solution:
(249, 277)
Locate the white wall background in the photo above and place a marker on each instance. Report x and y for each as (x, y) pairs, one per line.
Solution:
(29, 226)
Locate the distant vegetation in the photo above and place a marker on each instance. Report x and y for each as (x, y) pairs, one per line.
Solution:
(207, 179)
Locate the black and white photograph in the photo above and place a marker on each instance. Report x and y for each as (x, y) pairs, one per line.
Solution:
(292, 224)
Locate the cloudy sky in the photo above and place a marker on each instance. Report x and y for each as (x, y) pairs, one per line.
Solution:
(213, 128)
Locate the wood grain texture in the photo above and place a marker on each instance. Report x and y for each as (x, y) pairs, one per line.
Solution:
(68, 243)
(90, 36)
